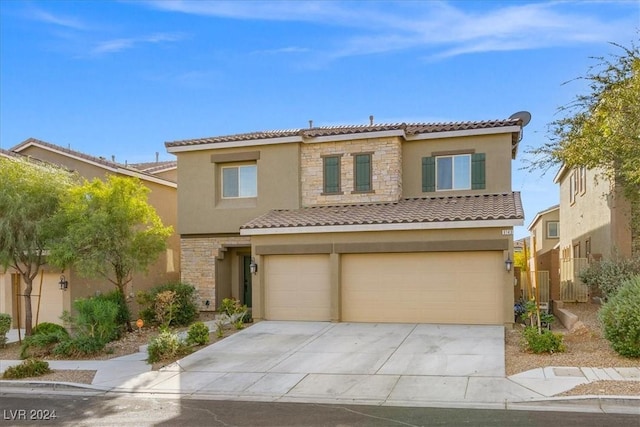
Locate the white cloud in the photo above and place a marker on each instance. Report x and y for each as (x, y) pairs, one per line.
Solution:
(117, 45)
(59, 20)
(442, 29)
(289, 49)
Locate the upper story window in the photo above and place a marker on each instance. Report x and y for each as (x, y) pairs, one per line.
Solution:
(553, 229)
(331, 175)
(582, 180)
(573, 186)
(362, 172)
(453, 172)
(239, 181)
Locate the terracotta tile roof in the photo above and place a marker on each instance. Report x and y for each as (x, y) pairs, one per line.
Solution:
(408, 128)
(153, 167)
(422, 210)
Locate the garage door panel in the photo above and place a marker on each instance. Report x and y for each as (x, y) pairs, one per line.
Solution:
(297, 287)
(441, 287)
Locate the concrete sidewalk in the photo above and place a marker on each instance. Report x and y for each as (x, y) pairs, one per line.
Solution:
(342, 363)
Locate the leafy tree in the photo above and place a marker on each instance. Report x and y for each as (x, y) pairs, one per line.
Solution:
(112, 231)
(601, 129)
(30, 195)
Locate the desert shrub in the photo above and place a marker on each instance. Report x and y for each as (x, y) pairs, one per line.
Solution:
(166, 344)
(42, 344)
(185, 310)
(124, 314)
(198, 334)
(28, 368)
(164, 307)
(5, 325)
(238, 313)
(607, 276)
(542, 342)
(81, 345)
(48, 328)
(620, 317)
(96, 318)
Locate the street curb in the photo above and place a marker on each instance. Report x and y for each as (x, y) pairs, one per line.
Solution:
(51, 385)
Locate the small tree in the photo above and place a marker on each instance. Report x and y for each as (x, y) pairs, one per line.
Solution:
(30, 195)
(111, 231)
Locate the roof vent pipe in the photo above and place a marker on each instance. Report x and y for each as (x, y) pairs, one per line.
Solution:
(370, 120)
(310, 124)
(157, 156)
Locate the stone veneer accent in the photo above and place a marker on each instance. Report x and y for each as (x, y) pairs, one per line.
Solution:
(386, 178)
(198, 255)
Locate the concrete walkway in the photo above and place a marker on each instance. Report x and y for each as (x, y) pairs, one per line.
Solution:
(374, 364)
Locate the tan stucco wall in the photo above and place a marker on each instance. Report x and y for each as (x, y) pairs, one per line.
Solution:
(498, 162)
(201, 209)
(322, 240)
(597, 214)
(386, 178)
(539, 232)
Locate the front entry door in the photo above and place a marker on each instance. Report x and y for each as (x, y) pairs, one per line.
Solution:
(246, 274)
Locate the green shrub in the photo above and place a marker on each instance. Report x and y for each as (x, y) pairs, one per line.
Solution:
(5, 325)
(96, 318)
(42, 344)
(48, 328)
(28, 368)
(198, 334)
(82, 345)
(620, 318)
(166, 345)
(607, 276)
(124, 314)
(544, 342)
(185, 310)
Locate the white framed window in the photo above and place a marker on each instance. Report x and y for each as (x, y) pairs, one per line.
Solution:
(582, 180)
(453, 172)
(573, 187)
(239, 181)
(553, 229)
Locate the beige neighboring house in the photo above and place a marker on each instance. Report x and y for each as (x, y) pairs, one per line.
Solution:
(545, 238)
(594, 223)
(159, 177)
(594, 216)
(361, 223)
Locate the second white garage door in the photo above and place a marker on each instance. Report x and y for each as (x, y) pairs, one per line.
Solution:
(430, 287)
(297, 287)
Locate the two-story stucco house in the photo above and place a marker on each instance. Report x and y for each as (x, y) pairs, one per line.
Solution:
(594, 216)
(545, 237)
(374, 223)
(159, 177)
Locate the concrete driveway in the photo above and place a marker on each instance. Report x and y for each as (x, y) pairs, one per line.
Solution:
(372, 363)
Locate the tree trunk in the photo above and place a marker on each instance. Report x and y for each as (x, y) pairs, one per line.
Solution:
(123, 299)
(28, 314)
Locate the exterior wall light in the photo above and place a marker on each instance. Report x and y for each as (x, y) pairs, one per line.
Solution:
(253, 267)
(508, 263)
(64, 284)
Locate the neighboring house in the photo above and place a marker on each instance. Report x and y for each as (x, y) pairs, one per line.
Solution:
(162, 196)
(545, 237)
(594, 216)
(372, 223)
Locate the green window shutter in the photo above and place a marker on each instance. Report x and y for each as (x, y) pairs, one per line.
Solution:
(363, 172)
(428, 174)
(478, 176)
(331, 174)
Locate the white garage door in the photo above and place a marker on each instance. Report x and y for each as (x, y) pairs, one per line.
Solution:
(433, 287)
(297, 287)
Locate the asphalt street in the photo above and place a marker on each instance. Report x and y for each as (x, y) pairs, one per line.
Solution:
(126, 410)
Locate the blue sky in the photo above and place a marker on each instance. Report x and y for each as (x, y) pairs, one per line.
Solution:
(122, 77)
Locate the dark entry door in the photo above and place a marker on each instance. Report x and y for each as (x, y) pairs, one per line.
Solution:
(246, 274)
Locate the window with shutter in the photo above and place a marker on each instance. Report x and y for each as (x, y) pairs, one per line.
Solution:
(331, 174)
(362, 172)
